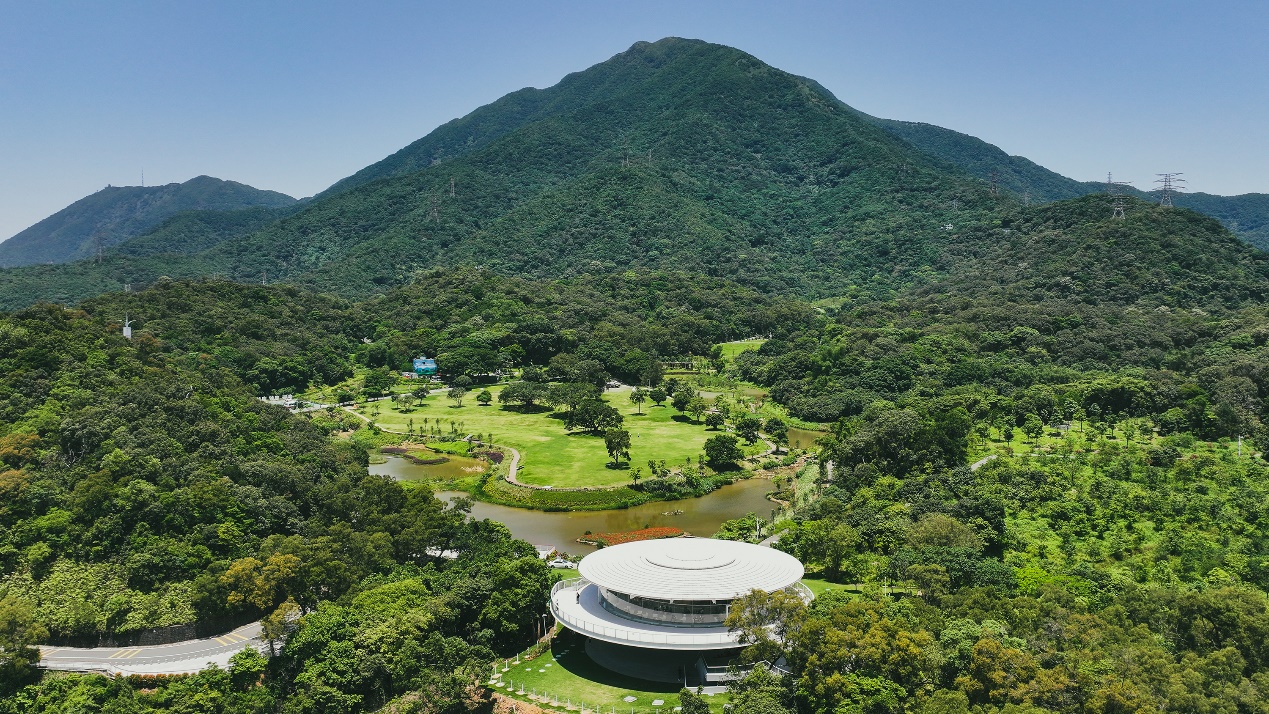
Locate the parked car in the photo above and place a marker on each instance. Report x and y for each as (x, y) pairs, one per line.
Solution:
(560, 563)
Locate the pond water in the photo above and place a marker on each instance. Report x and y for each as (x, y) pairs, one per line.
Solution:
(701, 516)
(803, 438)
(404, 470)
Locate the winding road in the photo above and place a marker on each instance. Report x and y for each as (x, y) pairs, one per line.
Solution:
(177, 658)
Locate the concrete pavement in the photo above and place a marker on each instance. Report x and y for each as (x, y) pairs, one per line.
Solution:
(176, 658)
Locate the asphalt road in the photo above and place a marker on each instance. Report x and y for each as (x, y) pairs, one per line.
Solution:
(188, 656)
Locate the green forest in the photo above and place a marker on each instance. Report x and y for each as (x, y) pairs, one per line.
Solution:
(1037, 482)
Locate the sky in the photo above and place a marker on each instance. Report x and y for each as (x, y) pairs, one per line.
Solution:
(294, 96)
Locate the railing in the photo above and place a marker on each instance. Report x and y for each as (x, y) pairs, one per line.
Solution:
(622, 634)
(803, 591)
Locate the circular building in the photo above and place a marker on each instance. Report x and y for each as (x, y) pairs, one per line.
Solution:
(671, 594)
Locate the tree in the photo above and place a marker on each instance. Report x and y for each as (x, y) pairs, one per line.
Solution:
(377, 382)
(617, 441)
(1033, 427)
(18, 634)
(456, 395)
(344, 396)
(280, 623)
(638, 397)
(722, 450)
(715, 420)
(778, 431)
(653, 373)
(463, 381)
(764, 622)
(594, 415)
(405, 401)
(747, 427)
(931, 580)
(657, 395)
(681, 399)
(420, 392)
(485, 397)
(696, 407)
(527, 394)
(692, 703)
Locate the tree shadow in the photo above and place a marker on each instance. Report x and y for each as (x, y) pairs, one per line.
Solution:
(525, 408)
(682, 419)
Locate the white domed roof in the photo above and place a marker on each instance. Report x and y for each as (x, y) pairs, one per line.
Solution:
(690, 568)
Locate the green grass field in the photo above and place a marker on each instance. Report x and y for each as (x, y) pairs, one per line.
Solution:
(567, 674)
(731, 349)
(550, 456)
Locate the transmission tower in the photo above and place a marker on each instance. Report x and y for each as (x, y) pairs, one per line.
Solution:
(99, 244)
(995, 180)
(1118, 201)
(451, 187)
(1169, 185)
(436, 209)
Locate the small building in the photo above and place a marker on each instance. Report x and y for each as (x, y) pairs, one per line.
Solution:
(424, 365)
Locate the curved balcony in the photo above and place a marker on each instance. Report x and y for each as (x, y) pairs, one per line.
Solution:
(576, 604)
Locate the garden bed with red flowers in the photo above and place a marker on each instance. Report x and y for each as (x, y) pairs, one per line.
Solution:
(606, 539)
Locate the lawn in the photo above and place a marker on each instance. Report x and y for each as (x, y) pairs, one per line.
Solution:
(550, 456)
(567, 674)
(731, 349)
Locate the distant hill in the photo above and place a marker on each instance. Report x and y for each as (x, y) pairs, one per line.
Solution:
(1074, 252)
(116, 214)
(1246, 215)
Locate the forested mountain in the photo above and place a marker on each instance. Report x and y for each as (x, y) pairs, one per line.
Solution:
(117, 214)
(1246, 215)
(677, 154)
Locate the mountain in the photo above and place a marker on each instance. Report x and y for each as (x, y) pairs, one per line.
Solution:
(674, 155)
(1246, 215)
(117, 214)
(677, 154)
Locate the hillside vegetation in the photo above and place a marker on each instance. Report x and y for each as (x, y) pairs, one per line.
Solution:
(117, 214)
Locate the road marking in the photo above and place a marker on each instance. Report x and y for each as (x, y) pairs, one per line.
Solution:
(46, 653)
(125, 654)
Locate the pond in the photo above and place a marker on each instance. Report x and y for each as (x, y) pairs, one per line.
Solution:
(457, 467)
(803, 438)
(701, 516)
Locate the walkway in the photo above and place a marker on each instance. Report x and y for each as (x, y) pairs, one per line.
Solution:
(177, 658)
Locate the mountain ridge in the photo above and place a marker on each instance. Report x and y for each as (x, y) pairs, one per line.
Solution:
(116, 214)
(676, 154)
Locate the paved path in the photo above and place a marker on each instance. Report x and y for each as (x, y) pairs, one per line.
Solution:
(982, 462)
(176, 658)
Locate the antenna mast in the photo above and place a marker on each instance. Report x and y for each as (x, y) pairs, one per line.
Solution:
(1169, 186)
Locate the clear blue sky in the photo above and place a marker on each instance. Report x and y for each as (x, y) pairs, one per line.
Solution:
(294, 96)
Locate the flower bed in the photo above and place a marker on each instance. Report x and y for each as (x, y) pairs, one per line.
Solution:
(606, 539)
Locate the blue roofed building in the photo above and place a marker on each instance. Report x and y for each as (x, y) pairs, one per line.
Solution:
(424, 365)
